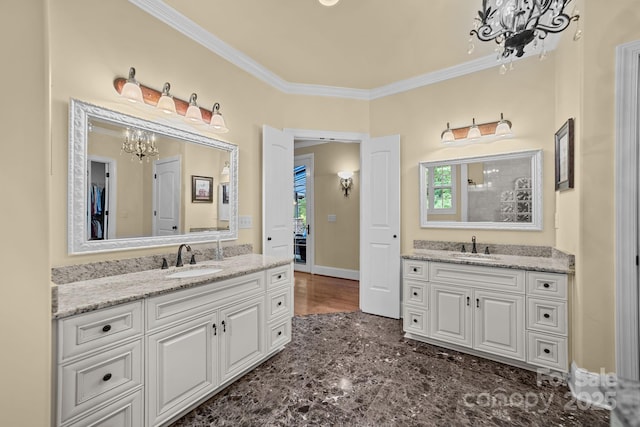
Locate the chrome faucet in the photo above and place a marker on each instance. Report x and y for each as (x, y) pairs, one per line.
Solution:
(179, 260)
(474, 250)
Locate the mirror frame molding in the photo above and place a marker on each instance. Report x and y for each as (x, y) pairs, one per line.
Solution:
(79, 115)
(536, 178)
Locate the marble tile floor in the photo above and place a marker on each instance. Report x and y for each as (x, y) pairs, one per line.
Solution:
(355, 369)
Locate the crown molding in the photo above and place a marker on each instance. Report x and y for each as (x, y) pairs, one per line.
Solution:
(166, 14)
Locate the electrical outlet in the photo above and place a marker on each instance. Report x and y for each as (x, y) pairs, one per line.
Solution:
(331, 218)
(245, 221)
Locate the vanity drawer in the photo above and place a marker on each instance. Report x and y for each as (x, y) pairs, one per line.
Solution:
(549, 285)
(546, 350)
(415, 320)
(279, 302)
(89, 331)
(178, 306)
(125, 412)
(278, 334)
(279, 276)
(415, 269)
(503, 279)
(547, 315)
(92, 381)
(415, 292)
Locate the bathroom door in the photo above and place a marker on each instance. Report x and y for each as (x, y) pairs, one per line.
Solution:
(303, 213)
(166, 200)
(277, 183)
(380, 226)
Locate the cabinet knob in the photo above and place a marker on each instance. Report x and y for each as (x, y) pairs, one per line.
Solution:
(395, 236)
(279, 303)
(106, 328)
(269, 239)
(415, 294)
(215, 329)
(415, 269)
(279, 333)
(279, 276)
(546, 315)
(224, 326)
(546, 350)
(107, 377)
(546, 285)
(468, 299)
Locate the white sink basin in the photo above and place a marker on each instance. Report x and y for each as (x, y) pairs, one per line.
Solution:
(476, 257)
(195, 272)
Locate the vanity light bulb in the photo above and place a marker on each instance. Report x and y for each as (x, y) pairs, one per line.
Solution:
(131, 90)
(193, 113)
(166, 104)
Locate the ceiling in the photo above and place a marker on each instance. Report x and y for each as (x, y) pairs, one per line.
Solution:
(357, 44)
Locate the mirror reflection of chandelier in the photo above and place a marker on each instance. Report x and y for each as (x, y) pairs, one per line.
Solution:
(513, 24)
(140, 143)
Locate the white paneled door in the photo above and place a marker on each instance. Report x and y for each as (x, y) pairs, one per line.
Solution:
(166, 197)
(380, 226)
(277, 199)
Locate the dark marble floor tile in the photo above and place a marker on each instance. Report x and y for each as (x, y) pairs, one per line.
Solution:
(354, 369)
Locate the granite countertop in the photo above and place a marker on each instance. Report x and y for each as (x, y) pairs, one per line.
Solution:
(88, 295)
(533, 263)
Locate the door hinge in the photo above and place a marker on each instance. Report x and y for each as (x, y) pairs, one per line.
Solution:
(106, 213)
(107, 174)
(155, 176)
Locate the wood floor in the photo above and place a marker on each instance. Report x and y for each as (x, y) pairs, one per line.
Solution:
(315, 294)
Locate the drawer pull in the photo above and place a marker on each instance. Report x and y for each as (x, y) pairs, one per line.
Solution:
(477, 302)
(215, 330)
(546, 350)
(467, 301)
(279, 276)
(106, 328)
(546, 315)
(224, 326)
(415, 320)
(546, 285)
(415, 294)
(279, 303)
(107, 377)
(415, 269)
(279, 333)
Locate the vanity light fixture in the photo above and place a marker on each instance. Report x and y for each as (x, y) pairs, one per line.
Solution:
(346, 181)
(166, 103)
(140, 144)
(225, 169)
(217, 121)
(477, 132)
(131, 90)
(193, 114)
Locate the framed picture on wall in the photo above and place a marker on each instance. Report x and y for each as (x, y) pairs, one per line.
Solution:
(201, 189)
(564, 156)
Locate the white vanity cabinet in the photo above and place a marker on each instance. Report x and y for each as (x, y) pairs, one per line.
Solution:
(146, 363)
(510, 315)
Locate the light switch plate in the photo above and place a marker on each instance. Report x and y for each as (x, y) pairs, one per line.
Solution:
(245, 221)
(331, 218)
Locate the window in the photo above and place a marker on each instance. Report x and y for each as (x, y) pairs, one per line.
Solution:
(441, 189)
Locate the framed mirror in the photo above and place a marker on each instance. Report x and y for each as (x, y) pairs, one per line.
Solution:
(501, 191)
(135, 183)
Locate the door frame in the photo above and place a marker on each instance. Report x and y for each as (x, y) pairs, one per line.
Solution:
(112, 196)
(626, 199)
(308, 160)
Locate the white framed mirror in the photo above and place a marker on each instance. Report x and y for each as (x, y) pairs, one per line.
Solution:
(498, 191)
(159, 188)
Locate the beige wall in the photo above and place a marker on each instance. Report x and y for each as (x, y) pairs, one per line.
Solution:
(525, 96)
(337, 244)
(25, 318)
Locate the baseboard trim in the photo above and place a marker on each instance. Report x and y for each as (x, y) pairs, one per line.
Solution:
(341, 273)
(586, 387)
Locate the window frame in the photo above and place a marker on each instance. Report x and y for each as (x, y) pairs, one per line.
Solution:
(431, 189)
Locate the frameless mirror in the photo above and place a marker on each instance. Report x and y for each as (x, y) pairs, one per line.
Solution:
(135, 183)
(502, 191)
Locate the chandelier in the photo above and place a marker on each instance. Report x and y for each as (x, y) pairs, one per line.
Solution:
(140, 144)
(513, 24)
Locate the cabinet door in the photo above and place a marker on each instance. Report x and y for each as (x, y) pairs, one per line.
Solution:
(242, 336)
(450, 314)
(182, 366)
(499, 323)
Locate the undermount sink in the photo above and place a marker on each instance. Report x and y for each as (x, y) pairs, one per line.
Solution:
(475, 257)
(195, 272)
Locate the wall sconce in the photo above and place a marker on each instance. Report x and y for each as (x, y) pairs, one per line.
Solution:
(477, 132)
(346, 181)
(133, 91)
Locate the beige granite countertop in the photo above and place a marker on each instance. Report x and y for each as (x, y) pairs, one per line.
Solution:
(534, 263)
(88, 295)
